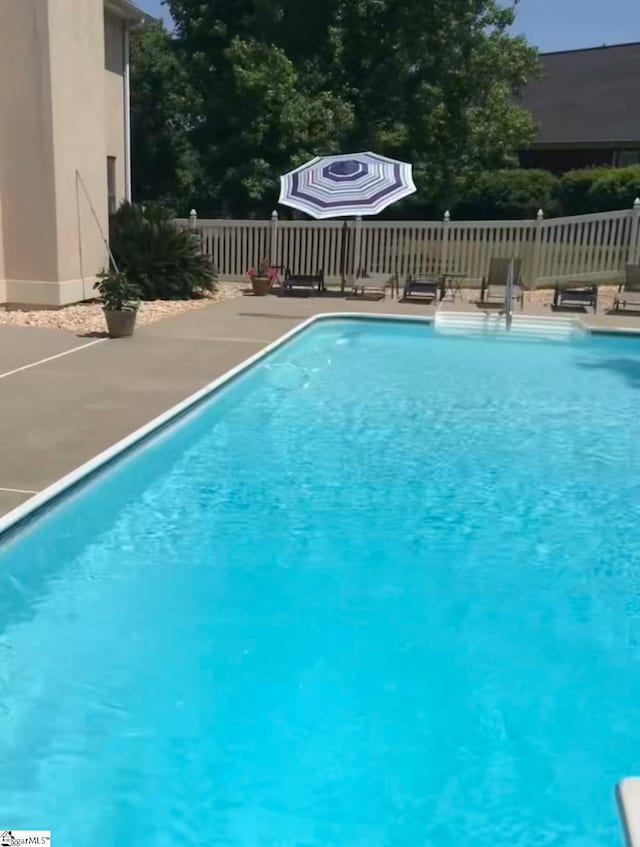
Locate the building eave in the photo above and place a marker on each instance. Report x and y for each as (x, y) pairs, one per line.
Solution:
(128, 11)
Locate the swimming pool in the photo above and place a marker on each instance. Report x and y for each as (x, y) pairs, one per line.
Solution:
(384, 589)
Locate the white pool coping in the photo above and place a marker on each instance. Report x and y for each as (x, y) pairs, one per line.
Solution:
(628, 797)
(26, 510)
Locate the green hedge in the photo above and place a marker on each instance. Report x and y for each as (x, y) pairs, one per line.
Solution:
(599, 189)
(508, 195)
(574, 190)
(519, 193)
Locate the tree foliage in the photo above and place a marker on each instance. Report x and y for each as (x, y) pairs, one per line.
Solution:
(165, 108)
(250, 88)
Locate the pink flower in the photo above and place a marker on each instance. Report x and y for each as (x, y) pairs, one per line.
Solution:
(265, 269)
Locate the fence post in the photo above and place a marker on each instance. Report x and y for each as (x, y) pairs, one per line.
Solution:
(358, 270)
(537, 245)
(274, 237)
(193, 220)
(444, 253)
(635, 231)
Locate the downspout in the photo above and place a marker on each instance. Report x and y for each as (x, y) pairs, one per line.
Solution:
(127, 117)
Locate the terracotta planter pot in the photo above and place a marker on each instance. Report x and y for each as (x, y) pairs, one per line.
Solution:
(120, 324)
(261, 286)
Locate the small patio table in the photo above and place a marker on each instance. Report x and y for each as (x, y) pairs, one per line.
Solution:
(451, 284)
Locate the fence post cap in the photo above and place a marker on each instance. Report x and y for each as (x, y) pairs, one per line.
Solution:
(447, 216)
(636, 203)
(540, 215)
(274, 215)
(193, 214)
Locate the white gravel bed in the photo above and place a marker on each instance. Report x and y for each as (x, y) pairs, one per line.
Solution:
(87, 318)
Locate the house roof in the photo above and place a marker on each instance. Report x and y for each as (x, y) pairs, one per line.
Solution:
(127, 9)
(587, 96)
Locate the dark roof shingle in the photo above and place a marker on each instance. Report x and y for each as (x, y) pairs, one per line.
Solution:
(588, 96)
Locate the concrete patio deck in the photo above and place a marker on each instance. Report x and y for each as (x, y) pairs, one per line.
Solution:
(64, 399)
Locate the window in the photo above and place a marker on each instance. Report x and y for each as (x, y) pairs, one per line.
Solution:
(628, 157)
(111, 184)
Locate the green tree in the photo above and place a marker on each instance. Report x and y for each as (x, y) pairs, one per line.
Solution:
(165, 108)
(272, 82)
(259, 123)
(436, 83)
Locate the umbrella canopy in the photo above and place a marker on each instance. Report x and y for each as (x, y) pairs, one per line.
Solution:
(349, 185)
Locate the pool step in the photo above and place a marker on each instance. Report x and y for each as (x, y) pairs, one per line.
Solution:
(487, 323)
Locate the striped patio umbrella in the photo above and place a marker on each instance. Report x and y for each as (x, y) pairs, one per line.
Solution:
(350, 185)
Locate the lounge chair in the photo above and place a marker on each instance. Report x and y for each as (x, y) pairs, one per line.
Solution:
(423, 288)
(628, 296)
(494, 285)
(372, 284)
(303, 282)
(575, 294)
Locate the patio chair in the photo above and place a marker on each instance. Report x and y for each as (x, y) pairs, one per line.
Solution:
(494, 285)
(628, 296)
(309, 283)
(374, 285)
(575, 294)
(423, 288)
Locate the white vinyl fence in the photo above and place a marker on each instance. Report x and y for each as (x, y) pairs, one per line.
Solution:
(587, 247)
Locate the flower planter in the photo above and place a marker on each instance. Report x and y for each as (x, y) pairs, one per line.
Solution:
(261, 285)
(120, 324)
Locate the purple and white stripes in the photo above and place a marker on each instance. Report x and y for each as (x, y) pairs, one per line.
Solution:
(346, 186)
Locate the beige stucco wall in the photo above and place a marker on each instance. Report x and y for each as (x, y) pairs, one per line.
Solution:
(3, 287)
(76, 32)
(66, 113)
(114, 98)
(27, 185)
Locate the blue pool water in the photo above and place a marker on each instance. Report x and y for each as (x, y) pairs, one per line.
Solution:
(384, 590)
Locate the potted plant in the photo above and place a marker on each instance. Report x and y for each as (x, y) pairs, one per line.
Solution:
(120, 301)
(263, 278)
